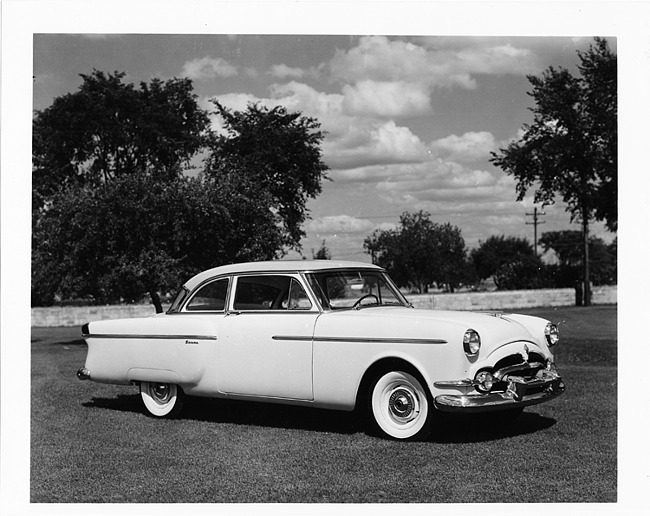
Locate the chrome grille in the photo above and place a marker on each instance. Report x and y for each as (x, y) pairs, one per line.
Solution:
(515, 365)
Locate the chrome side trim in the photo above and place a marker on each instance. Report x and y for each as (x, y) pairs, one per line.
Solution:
(151, 337)
(359, 340)
(294, 338)
(379, 340)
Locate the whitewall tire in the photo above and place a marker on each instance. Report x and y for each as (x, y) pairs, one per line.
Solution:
(399, 406)
(162, 399)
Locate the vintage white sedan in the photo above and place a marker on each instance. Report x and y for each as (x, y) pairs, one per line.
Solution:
(336, 335)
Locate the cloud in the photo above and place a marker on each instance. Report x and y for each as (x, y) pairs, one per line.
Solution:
(352, 141)
(471, 146)
(381, 59)
(283, 71)
(326, 107)
(209, 68)
(386, 99)
(433, 185)
(369, 142)
(339, 224)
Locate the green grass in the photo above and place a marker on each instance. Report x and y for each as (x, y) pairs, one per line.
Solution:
(94, 443)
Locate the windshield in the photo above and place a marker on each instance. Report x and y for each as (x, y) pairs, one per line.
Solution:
(339, 289)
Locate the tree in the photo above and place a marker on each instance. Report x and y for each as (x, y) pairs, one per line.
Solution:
(420, 252)
(279, 152)
(115, 216)
(567, 246)
(139, 235)
(323, 253)
(571, 147)
(496, 251)
(109, 128)
(521, 273)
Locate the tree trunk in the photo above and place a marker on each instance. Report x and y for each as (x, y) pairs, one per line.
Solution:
(155, 299)
(586, 290)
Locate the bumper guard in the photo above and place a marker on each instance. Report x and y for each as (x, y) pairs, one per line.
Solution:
(544, 387)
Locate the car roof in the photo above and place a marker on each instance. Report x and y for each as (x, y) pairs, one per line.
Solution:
(287, 266)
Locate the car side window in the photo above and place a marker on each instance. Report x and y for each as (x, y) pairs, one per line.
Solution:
(297, 298)
(263, 292)
(210, 297)
(270, 292)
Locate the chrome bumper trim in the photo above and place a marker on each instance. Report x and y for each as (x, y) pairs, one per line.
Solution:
(83, 374)
(515, 396)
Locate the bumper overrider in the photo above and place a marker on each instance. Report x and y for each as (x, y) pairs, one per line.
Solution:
(509, 392)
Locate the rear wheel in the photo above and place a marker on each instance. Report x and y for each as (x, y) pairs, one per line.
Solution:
(400, 406)
(162, 399)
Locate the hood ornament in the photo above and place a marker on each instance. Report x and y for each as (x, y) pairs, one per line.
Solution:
(524, 353)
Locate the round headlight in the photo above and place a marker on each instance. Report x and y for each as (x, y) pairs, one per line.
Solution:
(552, 334)
(471, 342)
(484, 381)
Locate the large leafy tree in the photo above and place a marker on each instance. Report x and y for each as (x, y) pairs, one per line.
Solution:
(497, 251)
(279, 154)
(570, 149)
(420, 252)
(109, 128)
(567, 246)
(139, 235)
(115, 216)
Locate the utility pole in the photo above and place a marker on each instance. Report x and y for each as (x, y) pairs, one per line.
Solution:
(536, 214)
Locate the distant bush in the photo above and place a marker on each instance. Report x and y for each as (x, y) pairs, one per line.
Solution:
(526, 272)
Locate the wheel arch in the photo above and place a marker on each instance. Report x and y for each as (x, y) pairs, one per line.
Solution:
(383, 365)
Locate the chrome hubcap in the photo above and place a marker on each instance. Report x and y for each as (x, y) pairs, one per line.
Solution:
(402, 404)
(160, 392)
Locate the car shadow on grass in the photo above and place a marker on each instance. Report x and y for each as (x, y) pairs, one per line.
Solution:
(247, 413)
(447, 428)
(76, 342)
(466, 428)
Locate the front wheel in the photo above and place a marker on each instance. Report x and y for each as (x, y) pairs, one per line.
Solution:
(162, 399)
(400, 406)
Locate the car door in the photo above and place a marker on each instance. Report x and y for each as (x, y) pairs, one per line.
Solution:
(265, 341)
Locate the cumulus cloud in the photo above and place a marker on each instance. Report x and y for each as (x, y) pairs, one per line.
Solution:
(370, 142)
(283, 71)
(386, 99)
(379, 58)
(209, 68)
(339, 224)
(439, 182)
(470, 146)
(326, 107)
(352, 141)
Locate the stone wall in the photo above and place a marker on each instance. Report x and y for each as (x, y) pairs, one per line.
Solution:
(510, 299)
(79, 315)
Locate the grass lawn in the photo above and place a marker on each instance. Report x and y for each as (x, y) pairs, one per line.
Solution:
(93, 443)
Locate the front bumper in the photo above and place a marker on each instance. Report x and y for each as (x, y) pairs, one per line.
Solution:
(520, 392)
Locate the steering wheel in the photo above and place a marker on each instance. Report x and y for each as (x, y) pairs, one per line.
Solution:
(358, 302)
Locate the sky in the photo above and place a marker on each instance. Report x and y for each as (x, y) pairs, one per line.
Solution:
(410, 121)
